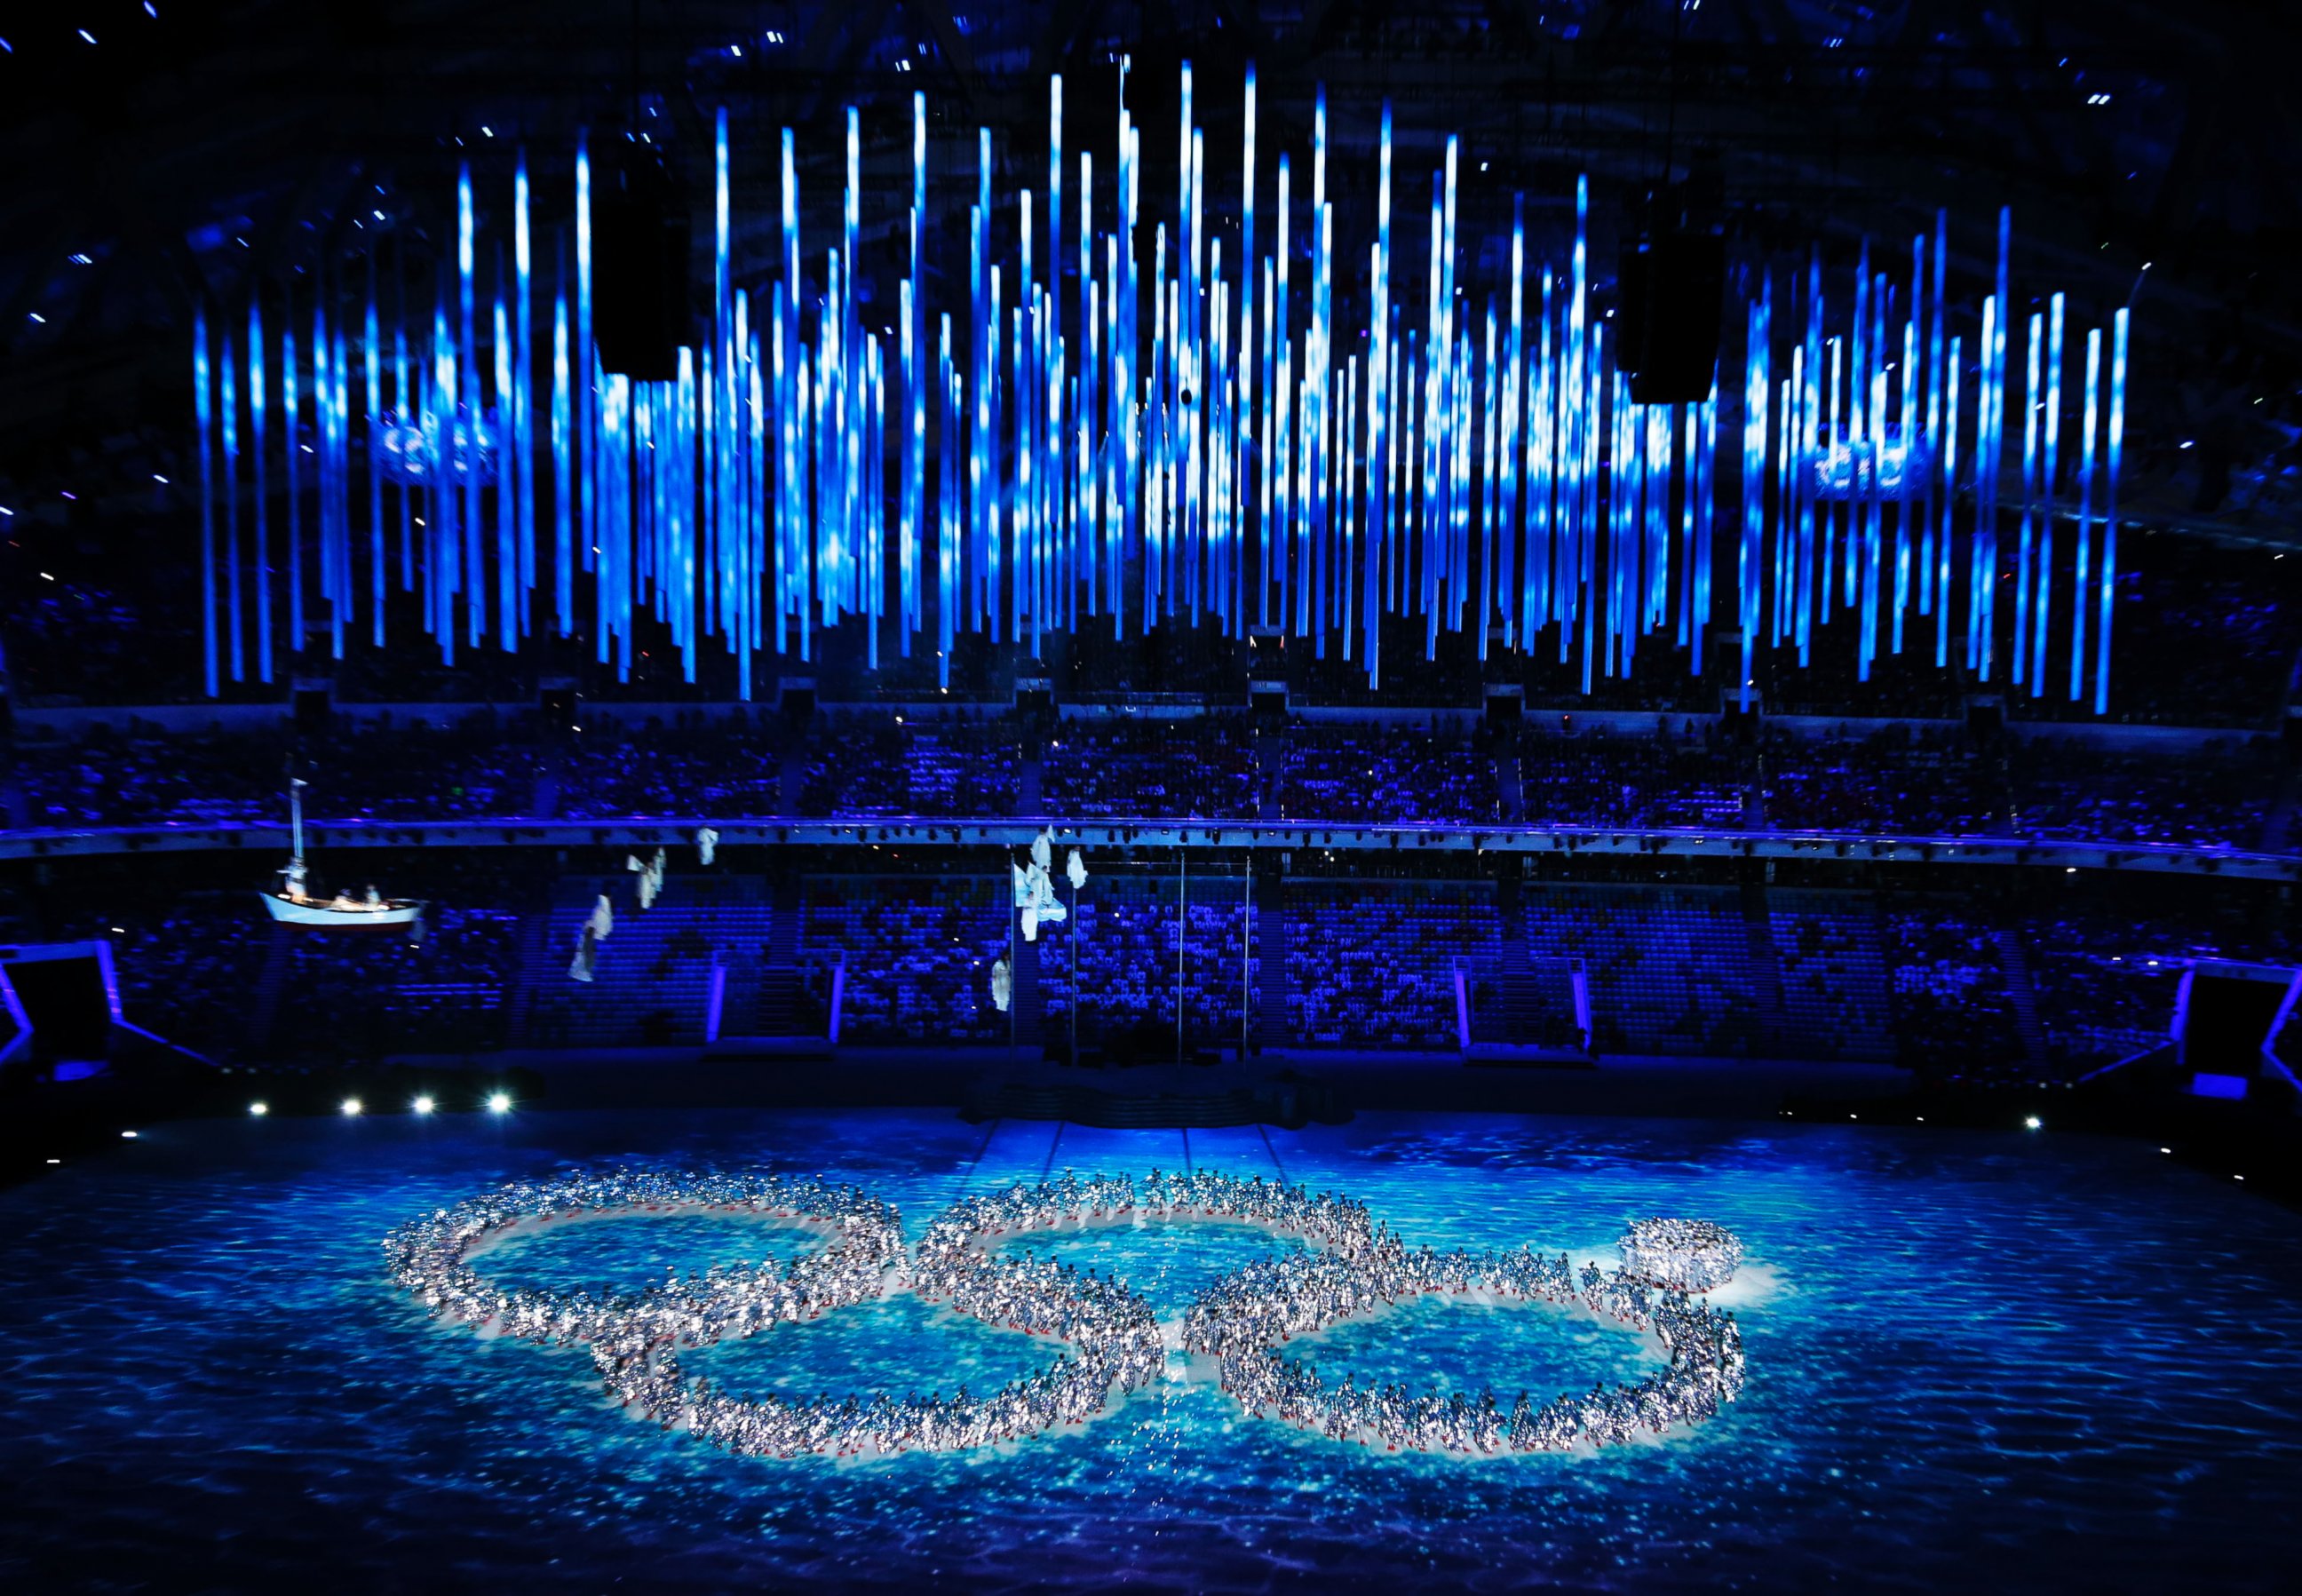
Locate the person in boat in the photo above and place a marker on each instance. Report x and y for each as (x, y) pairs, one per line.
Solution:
(374, 898)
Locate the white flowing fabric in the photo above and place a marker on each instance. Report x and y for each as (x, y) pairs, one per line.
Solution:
(1002, 985)
(707, 844)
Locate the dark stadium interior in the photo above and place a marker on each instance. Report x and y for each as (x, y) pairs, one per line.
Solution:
(713, 608)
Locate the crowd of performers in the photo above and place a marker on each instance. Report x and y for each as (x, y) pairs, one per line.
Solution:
(1690, 1255)
(1355, 1266)
(1242, 1320)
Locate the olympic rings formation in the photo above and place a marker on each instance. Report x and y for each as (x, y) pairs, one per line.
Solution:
(1358, 1266)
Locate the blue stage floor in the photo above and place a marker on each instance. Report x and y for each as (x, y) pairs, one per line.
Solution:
(1978, 1361)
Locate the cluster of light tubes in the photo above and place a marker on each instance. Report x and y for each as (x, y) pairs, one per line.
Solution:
(1209, 439)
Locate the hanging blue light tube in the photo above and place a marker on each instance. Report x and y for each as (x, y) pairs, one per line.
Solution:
(204, 421)
(1541, 477)
(1706, 501)
(2114, 452)
(2023, 590)
(563, 552)
(2082, 576)
(1941, 481)
(340, 424)
(1280, 539)
(1244, 393)
(262, 565)
(2042, 595)
(506, 474)
(523, 404)
(290, 407)
(1951, 373)
(404, 403)
(1755, 390)
(1981, 548)
(469, 389)
(583, 444)
(915, 392)
(1511, 525)
(372, 364)
(1871, 433)
(230, 408)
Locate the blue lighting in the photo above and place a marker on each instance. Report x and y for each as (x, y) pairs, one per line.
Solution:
(1227, 443)
(510, 1437)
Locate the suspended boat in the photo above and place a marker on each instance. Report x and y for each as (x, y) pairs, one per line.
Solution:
(296, 907)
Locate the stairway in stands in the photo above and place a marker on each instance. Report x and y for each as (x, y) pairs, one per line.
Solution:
(1029, 999)
(1030, 774)
(2021, 994)
(791, 770)
(1767, 972)
(1270, 1030)
(775, 1008)
(278, 954)
(1510, 786)
(535, 968)
(1270, 763)
(1523, 1017)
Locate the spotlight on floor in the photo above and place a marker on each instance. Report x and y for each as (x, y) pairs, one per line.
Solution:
(500, 1102)
(422, 1104)
(259, 1109)
(351, 1106)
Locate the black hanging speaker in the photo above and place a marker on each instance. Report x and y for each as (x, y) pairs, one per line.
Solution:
(640, 244)
(1670, 287)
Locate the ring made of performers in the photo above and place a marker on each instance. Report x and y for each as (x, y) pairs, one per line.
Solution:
(1355, 1266)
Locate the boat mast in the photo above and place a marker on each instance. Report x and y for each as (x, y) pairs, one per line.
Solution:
(296, 815)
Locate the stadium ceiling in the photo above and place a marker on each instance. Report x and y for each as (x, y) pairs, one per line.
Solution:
(153, 152)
